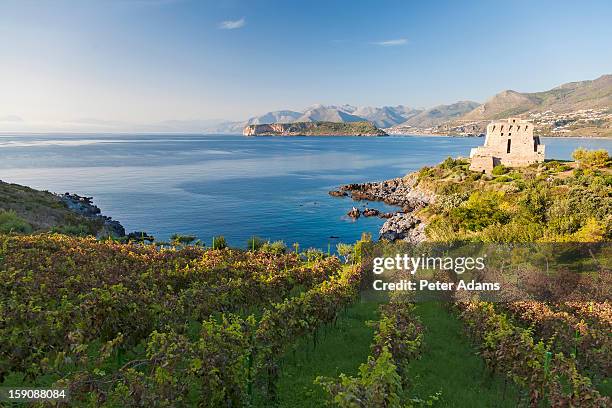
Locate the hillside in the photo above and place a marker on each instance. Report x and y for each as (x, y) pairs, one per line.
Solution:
(23, 209)
(314, 129)
(434, 117)
(581, 108)
(574, 109)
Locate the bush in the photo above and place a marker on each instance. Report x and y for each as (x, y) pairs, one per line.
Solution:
(219, 242)
(591, 158)
(179, 239)
(80, 230)
(11, 222)
(499, 170)
(345, 251)
(479, 211)
(254, 243)
(276, 247)
(450, 163)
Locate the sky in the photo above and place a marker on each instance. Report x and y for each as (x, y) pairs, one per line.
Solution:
(86, 64)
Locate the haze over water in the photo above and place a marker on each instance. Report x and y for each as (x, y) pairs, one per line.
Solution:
(235, 186)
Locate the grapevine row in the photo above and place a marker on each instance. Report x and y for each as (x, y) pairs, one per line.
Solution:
(224, 364)
(511, 350)
(58, 293)
(591, 345)
(381, 380)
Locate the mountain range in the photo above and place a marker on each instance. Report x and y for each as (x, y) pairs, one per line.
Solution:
(581, 108)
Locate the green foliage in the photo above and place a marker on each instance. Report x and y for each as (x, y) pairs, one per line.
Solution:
(345, 251)
(378, 385)
(449, 163)
(358, 249)
(591, 158)
(381, 380)
(11, 222)
(479, 211)
(219, 242)
(92, 306)
(276, 247)
(254, 243)
(80, 230)
(499, 170)
(180, 239)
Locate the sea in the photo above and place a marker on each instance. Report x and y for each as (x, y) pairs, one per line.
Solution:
(238, 187)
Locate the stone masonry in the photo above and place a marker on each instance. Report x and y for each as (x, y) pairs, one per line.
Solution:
(509, 142)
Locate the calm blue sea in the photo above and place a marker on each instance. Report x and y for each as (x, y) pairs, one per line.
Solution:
(235, 186)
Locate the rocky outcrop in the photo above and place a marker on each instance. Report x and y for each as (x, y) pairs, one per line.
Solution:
(403, 226)
(370, 212)
(402, 192)
(84, 206)
(314, 129)
(338, 193)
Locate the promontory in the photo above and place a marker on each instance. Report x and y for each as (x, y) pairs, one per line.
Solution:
(314, 129)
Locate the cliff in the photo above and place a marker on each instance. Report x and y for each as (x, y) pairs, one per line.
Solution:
(314, 129)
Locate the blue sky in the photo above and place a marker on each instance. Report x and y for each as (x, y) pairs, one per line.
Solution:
(145, 61)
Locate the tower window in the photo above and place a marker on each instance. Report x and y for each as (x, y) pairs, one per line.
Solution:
(508, 148)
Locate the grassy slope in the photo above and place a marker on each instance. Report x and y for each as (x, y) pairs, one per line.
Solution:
(450, 364)
(340, 349)
(41, 209)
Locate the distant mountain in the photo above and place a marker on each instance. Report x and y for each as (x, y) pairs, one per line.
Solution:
(382, 117)
(387, 116)
(282, 116)
(322, 113)
(440, 114)
(577, 108)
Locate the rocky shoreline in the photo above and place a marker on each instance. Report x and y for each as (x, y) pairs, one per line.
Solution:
(402, 192)
(84, 206)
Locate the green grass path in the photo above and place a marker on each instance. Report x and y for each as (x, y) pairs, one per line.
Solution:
(340, 349)
(450, 364)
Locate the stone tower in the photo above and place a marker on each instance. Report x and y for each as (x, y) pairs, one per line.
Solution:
(509, 142)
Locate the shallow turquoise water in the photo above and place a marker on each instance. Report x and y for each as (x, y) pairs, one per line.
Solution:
(234, 186)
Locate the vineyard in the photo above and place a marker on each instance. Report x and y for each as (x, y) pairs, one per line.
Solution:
(135, 325)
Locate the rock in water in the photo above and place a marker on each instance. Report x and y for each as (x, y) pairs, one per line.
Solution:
(354, 213)
(338, 193)
(370, 212)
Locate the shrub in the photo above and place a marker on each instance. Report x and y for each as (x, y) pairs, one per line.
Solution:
(11, 222)
(591, 158)
(80, 230)
(219, 242)
(179, 239)
(345, 251)
(254, 243)
(499, 170)
(276, 247)
(479, 211)
(450, 163)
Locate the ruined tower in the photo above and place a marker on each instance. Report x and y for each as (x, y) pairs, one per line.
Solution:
(509, 142)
